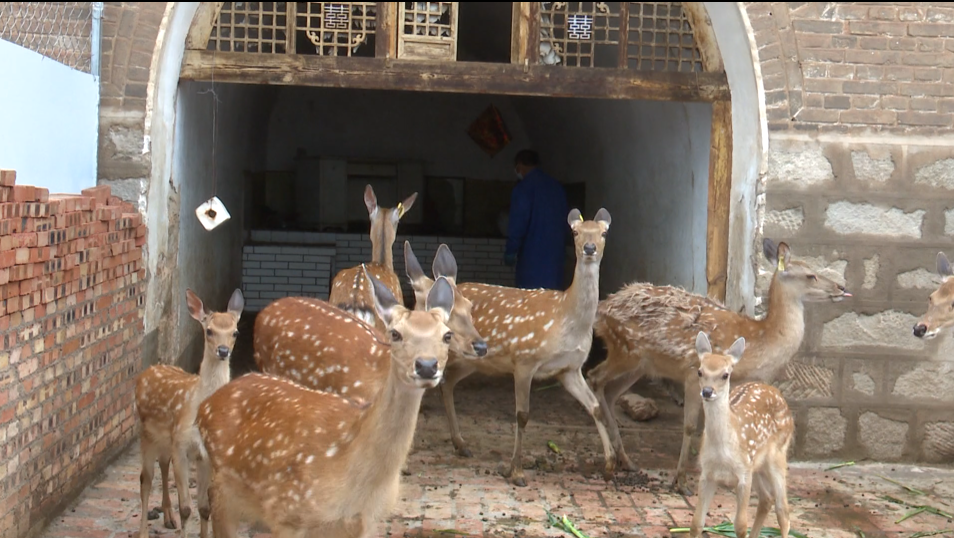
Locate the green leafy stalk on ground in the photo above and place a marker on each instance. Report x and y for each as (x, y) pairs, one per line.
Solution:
(565, 525)
(917, 509)
(925, 534)
(727, 529)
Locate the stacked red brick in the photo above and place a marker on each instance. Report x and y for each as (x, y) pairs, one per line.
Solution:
(71, 322)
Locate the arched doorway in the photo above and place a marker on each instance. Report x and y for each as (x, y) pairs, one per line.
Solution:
(738, 140)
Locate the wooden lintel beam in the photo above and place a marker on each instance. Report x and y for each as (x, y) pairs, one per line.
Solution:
(454, 77)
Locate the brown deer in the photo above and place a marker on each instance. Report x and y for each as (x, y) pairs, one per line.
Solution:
(745, 442)
(167, 399)
(321, 347)
(537, 335)
(649, 330)
(310, 463)
(350, 291)
(940, 313)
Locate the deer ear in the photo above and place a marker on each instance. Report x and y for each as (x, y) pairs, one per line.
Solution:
(784, 256)
(370, 200)
(770, 250)
(702, 344)
(441, 297)
(385, 304)
(196, 308)
(236, 304)
(445, 264)
(574, 218)
(736, 350)
(403, 207)
(413, 267)
(603, 216)
(943, 266)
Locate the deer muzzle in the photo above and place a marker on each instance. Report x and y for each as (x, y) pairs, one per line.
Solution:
(480, 347)
(223, 352)
(589, 249)
(920, 330)
(426, 368)
(708, 393)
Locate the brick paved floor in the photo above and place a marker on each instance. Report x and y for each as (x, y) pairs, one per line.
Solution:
(445, 493)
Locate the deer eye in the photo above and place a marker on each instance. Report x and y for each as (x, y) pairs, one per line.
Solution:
(725, 375)
(235, 334)
(447, 337)
(603, 234)
(396, 336)
(812, 277)
(700, 373)
(208, 332)
(575, 233)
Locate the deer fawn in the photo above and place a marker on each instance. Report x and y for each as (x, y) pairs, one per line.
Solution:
(350, 291)
(310, 463)
(649, 330)
(940, 314)
(323, 348)
(167, 399)
(537, 335)
(745, 442)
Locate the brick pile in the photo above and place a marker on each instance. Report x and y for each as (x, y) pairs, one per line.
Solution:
(71, 322)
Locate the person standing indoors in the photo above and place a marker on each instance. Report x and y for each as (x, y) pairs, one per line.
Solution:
(537, 231)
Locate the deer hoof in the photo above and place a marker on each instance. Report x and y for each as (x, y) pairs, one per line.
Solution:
(682, 488)
(627, 464)
(405, 472)
(465, 452)
(520, 482)
(170, 524)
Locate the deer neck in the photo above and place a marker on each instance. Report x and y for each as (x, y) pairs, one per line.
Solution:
(213, 374)
(382, 239)
(785, 319)
(720, 423)
(582, 297)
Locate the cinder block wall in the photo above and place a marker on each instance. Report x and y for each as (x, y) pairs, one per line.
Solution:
(71, 297)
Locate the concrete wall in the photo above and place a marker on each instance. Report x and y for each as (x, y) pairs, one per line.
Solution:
(54, 109)
(647, 163)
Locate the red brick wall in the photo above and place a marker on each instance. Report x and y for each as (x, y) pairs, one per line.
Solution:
(856, 66)
(71, 297)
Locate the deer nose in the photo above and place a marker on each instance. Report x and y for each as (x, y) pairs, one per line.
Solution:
(480, 348)
(223, 352)
(425, 368)
(707, 392)
(589, 249)
(920, 330)
(844, 291)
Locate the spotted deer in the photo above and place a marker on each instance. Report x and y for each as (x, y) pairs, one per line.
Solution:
(311, 463)
(324, 348)
(350, 290)
(167, 399)
(537, 335)
(940, 313)
(745, 442)
(649, 330)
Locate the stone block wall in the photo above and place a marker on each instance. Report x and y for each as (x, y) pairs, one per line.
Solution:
(71, 297)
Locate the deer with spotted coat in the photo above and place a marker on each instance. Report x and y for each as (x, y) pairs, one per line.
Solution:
(537, 335)
(311, 463)
(350, 289)
(745, 443)
(649, 330)
(940, 313)
(167, 400)
(324, 348)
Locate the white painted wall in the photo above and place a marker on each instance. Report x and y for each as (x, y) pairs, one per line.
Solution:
(49, 121)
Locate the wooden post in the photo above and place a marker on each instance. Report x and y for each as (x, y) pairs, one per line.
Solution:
(623, 60)
(385, 37)
(291, 13)
(532, 54)
(520, 32)
(720, 187)
(202, 24)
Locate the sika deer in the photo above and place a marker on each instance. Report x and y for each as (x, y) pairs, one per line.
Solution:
(649, 330)
(310, 463)
(350, 291)
(745, 442)
(940, 313)
(537, 335)
(323, 348)
(167, 399)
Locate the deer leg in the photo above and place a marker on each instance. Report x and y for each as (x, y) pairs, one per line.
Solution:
(707, 491)
(223, 522)
(522, 379)
(453, 374)
(205, 508)
(168, 518)
(611, 393)
(778, 481)
(763, 488)
(149, 452)
(690, 422)
(180, 466)
(743, 493)
(574, 383)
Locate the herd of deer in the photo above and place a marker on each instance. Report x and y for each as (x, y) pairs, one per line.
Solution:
(315, 445)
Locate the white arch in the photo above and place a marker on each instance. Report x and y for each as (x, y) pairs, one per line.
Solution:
(749, 141)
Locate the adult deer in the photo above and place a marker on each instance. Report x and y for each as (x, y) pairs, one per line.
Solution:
(940, 313)
(537, 335)
(323, 348)
(649, 330)
(310, 463)
(350, 290)
(745, 443)
(167, 399)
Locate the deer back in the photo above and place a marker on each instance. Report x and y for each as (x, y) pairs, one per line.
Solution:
(351, 291)
(320, 347)
(165, 395)
(764, 418)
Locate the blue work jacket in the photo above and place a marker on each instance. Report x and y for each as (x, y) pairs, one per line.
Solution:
(537, 231)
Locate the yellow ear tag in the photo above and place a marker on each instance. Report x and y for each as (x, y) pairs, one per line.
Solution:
(781, 264)
(581, 218)
(400, 209)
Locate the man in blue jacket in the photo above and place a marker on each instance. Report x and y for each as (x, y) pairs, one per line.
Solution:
(536, 234)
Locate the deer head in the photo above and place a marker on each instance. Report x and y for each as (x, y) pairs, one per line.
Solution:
(797, 278)
(716, 369)
(940, 313)
(221, 328)
(467, 342)
(589, 237)
(384, 221)
(420, 339)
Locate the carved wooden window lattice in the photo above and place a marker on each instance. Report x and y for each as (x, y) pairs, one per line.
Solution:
(427, 30)
(645, 36)
(338, 28)
(251, 27)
